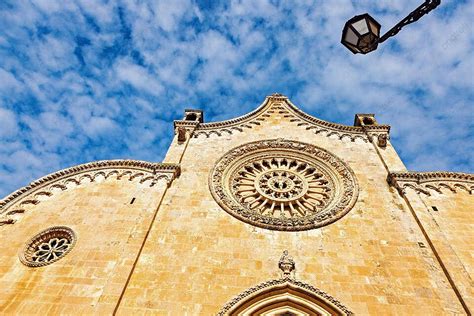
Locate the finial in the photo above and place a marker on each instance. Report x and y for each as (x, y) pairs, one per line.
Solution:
(277, 96)
(286, 264)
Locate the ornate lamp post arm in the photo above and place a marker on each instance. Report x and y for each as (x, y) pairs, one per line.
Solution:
(414, 16)
(361, 34)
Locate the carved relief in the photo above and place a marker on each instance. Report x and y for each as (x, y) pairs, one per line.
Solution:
(181, 134)
(429, 182)
(378, 132)
(133, 170)
(283, 185)
(382, 140)
(286, 264)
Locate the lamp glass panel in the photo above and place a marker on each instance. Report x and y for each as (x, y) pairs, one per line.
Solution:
(361, 26)
(351, 37)
(374, 28)
(356, 49)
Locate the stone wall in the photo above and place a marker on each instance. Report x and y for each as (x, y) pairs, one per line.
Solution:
(109, 230)
(198, 257)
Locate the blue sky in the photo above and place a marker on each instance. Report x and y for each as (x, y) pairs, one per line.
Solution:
(91, 80)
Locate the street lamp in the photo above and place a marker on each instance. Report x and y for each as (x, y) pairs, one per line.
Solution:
(361, 34)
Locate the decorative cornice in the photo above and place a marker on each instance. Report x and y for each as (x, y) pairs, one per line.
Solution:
(279, 283)
(236, 124)
(376, 128)
(313, 120)
(277, 103)
(131, 169)
(184, 129)
(182, 123)
(424, 182)
(380, 132)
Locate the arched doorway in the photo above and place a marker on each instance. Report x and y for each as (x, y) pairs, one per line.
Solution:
(284, 297)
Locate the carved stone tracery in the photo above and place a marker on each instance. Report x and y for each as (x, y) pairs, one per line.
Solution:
(48, 246)
(283, 185)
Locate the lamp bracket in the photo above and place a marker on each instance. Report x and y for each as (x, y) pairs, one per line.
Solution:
(414, 16)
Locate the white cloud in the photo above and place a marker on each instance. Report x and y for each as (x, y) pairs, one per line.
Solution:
(8, 82)
(139, 77)
(98, 126)
(74, 87)
(8, 124)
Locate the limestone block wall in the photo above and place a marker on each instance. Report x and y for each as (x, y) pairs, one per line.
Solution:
(109, 229)
(452, 216)
(198, 257)
(452, 212)
(442, 203)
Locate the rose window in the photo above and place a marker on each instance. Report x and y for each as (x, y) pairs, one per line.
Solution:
(48, 246)
(283, 185)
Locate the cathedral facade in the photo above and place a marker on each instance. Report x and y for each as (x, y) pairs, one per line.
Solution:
(272, 213)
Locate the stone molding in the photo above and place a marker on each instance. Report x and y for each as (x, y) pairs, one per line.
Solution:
(342, 183)
(18, 201)
(428, 182)
(277, 283)
(184, 129)
(380, 132)
(277, 103)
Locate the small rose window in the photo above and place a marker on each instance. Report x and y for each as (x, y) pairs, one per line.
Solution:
(48, 246)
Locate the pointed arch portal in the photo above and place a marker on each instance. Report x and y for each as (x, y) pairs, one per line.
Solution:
(284, 297)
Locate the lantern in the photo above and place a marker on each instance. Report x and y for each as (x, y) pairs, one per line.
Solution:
(361, 34)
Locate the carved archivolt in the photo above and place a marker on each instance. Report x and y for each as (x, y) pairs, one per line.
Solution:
(132, 170)
(296, 296)
(279, 104)
(428, 182)
(283, 185)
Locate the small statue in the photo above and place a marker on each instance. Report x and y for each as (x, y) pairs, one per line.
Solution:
(181, 134)
(382, 139)
(286, 264)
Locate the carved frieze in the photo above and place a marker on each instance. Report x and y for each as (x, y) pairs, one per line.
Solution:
(428, 182)
(283, 185)
(278, 104)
